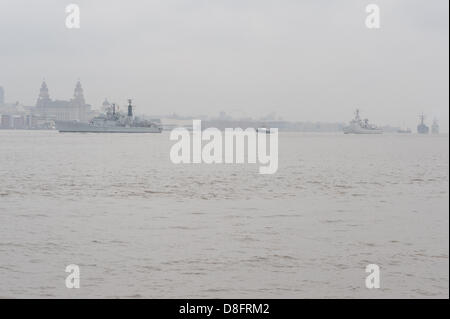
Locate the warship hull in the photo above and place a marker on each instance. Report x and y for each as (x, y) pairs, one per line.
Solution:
(361, 130)
(422, 129)
(76, 127)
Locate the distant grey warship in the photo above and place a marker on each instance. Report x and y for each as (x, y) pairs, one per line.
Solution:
(110, 122)
(359, 126)
(435, 127)
(422, 128)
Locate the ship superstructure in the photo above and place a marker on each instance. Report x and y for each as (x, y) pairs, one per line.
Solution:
(422, 128)
(360, 126)
(435, 127)
(111, 122)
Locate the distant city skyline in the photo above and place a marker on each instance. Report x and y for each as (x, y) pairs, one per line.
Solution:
(222, 115)
(303, 60)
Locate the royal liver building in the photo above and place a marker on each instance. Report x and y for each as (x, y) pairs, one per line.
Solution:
(75, 109)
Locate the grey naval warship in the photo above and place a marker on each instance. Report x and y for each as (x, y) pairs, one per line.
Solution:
(422, 128)
(110, 122)
(359, 126)
(435, 127)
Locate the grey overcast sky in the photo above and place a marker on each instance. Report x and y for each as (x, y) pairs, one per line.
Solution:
(305, 60)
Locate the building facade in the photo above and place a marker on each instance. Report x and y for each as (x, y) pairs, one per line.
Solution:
(74, 109)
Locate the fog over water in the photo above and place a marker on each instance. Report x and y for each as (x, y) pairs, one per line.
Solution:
(304, 60)
(139, 225)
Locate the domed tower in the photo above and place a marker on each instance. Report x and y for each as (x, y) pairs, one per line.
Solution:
(44, 97)
(106, 104)
(78, 96)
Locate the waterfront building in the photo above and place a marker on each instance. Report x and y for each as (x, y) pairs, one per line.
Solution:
(75, 109)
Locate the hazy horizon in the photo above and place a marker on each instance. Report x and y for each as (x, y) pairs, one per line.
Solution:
(305, 61)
